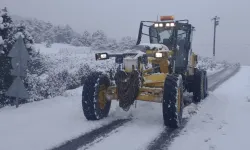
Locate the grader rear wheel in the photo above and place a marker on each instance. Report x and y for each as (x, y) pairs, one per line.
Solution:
(173, 101)
(200, 86)
(94, 103)
(205, 84)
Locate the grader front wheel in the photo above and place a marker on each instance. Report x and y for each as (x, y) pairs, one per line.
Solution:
(173, 101)
(94, 103)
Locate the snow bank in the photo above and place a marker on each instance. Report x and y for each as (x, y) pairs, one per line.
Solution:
(223, 119)
(210, 65)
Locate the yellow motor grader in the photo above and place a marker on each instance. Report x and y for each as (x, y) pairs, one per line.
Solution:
(158, 71)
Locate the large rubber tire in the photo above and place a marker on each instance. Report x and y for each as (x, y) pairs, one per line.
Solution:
(199, 86)
(90, 96)
(173, 104)
(205, 84)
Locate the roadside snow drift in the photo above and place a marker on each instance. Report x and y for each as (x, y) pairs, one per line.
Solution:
(222, 122)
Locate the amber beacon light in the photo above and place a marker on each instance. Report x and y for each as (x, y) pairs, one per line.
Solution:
(164, 18)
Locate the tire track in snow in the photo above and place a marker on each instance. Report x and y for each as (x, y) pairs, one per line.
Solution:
(166, 137)
(91, 136)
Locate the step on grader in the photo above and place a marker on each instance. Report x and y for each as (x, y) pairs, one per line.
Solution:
(159, 71)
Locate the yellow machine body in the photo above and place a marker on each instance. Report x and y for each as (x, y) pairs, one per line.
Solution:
(153, 83)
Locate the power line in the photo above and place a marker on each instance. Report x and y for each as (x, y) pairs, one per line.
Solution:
(216, 23)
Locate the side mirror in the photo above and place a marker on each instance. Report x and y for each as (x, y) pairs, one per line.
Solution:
(101, 56)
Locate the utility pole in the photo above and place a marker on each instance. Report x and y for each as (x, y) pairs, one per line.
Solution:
(216, 23)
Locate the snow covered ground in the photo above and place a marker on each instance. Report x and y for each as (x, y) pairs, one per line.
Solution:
(44, 124)
(47, 123)
(222, 122)
(146, 125)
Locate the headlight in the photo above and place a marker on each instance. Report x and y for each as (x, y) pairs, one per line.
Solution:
(158, 55)
(172, 24)
(167, 24)
(160, 25)
(156, 25)
(103, 56)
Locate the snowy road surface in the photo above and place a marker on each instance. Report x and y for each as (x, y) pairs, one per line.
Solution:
(42, 125)
(147, 124)
(222, 122)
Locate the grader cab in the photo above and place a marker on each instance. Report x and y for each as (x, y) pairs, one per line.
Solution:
(158, 71)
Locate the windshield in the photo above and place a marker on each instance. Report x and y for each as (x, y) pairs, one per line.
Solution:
(163, 33)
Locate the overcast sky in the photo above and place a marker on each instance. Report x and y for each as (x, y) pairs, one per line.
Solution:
(121, 18)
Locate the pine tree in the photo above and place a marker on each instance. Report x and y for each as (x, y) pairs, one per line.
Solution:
(6, 33)
(10, 33)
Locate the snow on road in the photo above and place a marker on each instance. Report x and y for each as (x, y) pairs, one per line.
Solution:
(222, 122)
(147, 124)
(44, 124)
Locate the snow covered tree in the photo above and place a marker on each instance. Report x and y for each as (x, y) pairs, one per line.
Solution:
(9, 33)
(86, 39)
(127, 43)
(112, 44)
(6, 42)
(99, 40)
(76, 42)
(43, 31)
(63, 34)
